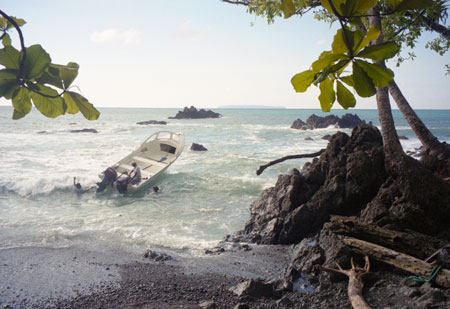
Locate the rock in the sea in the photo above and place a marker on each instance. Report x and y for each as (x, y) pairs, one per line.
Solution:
(308, 139)
(84, 131)
(326, 137)
(151, 122)
(198, 147)
(255, 288)
(298, 124)
(347, 121)
(193, 113)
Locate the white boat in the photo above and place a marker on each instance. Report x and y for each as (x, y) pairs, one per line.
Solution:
(153, 157)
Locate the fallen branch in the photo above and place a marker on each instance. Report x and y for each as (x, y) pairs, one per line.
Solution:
(399, 260)
(355, 281)
(409, 242)
(299, 156)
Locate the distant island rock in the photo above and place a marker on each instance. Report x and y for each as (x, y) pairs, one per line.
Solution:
(198, 147)
(347, 121)
(151, 122)
(84, 131)
(193, 113)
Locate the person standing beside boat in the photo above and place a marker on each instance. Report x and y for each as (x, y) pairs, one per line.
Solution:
(136, 174)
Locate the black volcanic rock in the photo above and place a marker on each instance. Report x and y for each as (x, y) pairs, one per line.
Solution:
(198, 147)
(341, 181)
(193, 113)
(298, 124)
(317, 122)
(151, 122)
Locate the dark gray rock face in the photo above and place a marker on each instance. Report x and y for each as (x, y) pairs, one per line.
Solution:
(151, 122)
(342, 181)
(193, 113)
(347, 121)
(198, 147)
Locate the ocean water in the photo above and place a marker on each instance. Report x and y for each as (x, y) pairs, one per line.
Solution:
(204, 195)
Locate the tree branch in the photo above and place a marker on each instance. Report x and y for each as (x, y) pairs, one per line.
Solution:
(22, 44)
(299, 156)
(442, 30)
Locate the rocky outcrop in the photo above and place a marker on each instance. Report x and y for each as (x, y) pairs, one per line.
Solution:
(193, 113)
(342, 181)
(347, 121)
(198, 147)
(151, 122)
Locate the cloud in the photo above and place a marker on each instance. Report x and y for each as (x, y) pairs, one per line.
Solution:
(186, 31)
(321, 42)
(126, 37)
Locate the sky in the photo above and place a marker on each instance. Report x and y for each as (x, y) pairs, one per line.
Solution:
(205, 53)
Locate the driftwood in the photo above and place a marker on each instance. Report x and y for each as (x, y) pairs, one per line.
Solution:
(399, 260)
(355, 282)
(412, 243)
(299, 156)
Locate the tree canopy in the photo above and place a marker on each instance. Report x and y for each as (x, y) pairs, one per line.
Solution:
(30, 78)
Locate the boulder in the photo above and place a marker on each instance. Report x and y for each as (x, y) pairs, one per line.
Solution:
(193, 113)
(151, 122)
(198, 147)
(84, 131)
(347, 121)
(255, 288)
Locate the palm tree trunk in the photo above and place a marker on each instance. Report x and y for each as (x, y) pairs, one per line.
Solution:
(392, 147)
(427, 138)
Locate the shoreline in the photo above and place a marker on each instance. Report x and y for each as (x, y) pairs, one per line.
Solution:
(39, 277)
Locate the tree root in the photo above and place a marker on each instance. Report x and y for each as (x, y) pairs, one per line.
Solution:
(299, 156)
(355, 281)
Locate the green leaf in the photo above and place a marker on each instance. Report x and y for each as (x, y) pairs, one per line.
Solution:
(381, 77)
(49, 107)
(338, 46)
(6, 41)
(288, 8)
(362, 83)
(381, 51)
(327, 95)
(87, 109)
(357, 7)
(339, 67)
(348, 80)
(337, 5)
(371, 35)
(325, 59)
(9, 57)
(36, 62)
(19, 21)
(8, 83)
(21, 101)
(68, 73)
(51, 76)
(344, 97)
(72, 106)
(18, 115)
(302, 81)
(402, 5)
